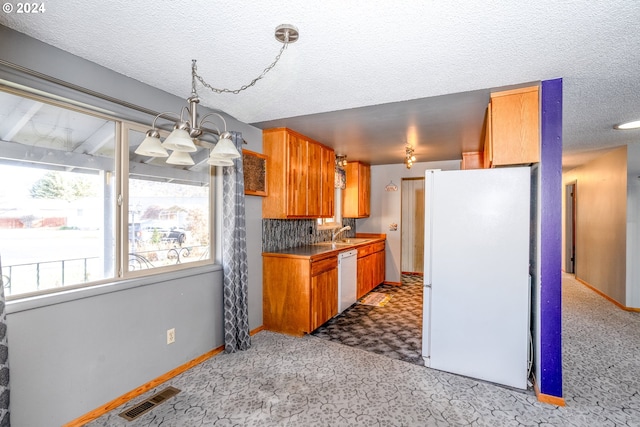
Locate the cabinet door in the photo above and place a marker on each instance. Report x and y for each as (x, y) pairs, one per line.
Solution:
(378, 268)
(365, 190)
(515, 127)
(286, 297)
(365, 275)
(328, 182)
(314, 180)
(488, 147)
(358, 190)
(297, 176)
(324, 297)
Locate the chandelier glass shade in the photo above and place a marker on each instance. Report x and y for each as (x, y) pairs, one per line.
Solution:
(180, 158)
(225, 149)
(152, 146)
(180, 140)
(220, 162)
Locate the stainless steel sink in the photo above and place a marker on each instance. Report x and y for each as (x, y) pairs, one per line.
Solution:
(334, 244)
(343, 242)
(353, 240)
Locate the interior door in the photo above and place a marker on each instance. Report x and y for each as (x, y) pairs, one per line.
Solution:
(412, 225)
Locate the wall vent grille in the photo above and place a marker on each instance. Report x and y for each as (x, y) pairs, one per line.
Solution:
(147, 405)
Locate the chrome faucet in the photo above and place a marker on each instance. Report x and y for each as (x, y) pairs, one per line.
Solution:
(336, 233)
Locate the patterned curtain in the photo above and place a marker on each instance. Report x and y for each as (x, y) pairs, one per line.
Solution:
(4, 359)
(234, 256)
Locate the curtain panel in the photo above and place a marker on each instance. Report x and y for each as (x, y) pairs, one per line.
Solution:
(234, 256)
(4, 358)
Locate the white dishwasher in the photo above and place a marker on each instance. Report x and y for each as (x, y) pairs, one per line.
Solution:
(347, 279)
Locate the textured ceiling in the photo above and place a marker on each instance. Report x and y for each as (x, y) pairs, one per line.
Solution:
(366, 57)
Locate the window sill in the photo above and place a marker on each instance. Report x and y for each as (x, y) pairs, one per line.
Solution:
(30, 303)
(329, 226)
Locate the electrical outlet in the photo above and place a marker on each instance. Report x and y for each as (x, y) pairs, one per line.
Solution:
(171, 336)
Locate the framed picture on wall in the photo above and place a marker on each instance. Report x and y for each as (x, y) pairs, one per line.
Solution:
(255, 173)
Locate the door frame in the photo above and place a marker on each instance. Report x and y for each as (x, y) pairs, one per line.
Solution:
(571, 191)
(403, 225)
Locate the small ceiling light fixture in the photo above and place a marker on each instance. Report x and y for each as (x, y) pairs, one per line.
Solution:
(628, 125)
(341, 160)
(409, 157)
(182, 140)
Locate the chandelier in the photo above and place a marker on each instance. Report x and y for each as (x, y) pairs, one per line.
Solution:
(184, 137)
(409, 157)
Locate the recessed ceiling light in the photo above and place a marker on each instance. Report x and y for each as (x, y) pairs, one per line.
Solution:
(628, 125)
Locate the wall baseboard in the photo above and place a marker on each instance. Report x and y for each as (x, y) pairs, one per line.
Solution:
(98, 412)
(607, 297)
(547, 398)
(412, 273)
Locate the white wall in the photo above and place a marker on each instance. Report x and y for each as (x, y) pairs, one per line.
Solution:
(633, 229)
(601, 222)
(386, 207)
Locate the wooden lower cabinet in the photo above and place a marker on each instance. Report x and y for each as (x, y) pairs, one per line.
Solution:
(371, 267)
(299, 294)
(324, 291)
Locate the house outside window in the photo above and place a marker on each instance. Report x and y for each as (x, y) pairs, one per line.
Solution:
(78, 207)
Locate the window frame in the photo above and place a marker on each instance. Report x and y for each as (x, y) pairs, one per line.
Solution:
(121, 202)
(123, 209)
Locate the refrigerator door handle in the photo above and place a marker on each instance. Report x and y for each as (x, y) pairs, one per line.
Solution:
(427, 276)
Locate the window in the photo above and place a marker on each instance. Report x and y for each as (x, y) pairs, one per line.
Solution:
(69, 217)
(336, 220)
(167, 209)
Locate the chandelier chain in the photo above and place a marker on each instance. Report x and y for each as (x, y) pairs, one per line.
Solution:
(194, 72)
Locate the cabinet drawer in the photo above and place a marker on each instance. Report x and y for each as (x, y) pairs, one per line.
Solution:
(369, 249)
(365, 250)
(318, 267)
(377, 247)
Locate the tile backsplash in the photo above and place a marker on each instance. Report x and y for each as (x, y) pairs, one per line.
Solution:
(280, 234)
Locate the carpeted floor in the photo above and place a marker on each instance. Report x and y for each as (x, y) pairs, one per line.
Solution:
(394, 330)
(287, 381)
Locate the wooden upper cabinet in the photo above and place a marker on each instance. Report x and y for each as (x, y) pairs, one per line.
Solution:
(513, 127)
(488, 146)
(297, 175)
(472, 160)
(296, 178)
(328, 174)
(357, 194)
(314, 180)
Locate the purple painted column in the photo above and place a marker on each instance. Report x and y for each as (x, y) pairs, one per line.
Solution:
(550, 302)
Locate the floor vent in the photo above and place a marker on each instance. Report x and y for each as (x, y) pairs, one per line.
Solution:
(147, 405)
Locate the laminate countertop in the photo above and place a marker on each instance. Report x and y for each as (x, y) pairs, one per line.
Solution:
(326, 249)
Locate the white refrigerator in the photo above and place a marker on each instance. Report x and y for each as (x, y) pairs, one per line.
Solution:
(476, 273)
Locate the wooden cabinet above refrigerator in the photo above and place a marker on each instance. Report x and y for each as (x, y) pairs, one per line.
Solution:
(513, 128)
